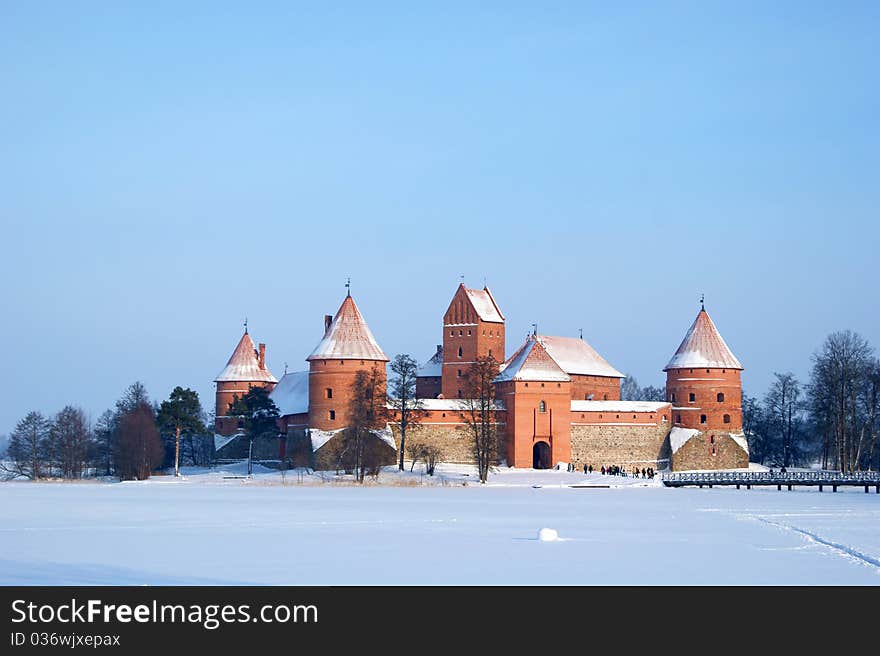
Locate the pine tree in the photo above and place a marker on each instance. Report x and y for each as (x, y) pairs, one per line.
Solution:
(260, 416)
(180, 415)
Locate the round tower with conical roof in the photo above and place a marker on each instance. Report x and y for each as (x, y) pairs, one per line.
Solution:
(704, 385)
(348, 346)
(246, 368)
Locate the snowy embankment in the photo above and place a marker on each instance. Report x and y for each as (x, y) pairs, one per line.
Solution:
(207, 529)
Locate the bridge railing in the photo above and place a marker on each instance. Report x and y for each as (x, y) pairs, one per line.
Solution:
(770, 478)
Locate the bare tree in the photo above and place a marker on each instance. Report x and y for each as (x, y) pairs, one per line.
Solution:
(415, 451)
(840, 369)
(368, 413)
(138, 448)
(783, 406)
(478, 412)
(433, 455)
(27, 450)
(410, 410)
(70, 442)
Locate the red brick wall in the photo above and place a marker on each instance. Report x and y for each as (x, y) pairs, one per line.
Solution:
(602, 388)
(526, 425)
(705, 385)
(337, 375)
(462, 328)
(222, 399)
(428, 387)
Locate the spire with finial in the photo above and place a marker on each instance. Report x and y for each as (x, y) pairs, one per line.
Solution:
(581, 333)
(348, 286)
(535, 328)
(703, 302)
(245, 325)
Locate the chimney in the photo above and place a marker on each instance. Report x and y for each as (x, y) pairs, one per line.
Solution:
(262, 356)
(328, 319)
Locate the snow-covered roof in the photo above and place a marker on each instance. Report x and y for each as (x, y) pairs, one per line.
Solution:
(485, 305)
(291, 394)
(575, 356)
(453, 405)
(532, 362)
(704, 347)
(320, 437)
(244, 365)
(678, 436)
(617, 406)
(434, 366)
(348, 337)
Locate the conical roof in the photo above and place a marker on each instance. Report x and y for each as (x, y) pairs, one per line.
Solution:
(703, 347)
(244, 365)
(348, 337)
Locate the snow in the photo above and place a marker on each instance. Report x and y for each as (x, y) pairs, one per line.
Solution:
(348, 337)
(617, 406)
(291, 394)
(577, 357)
(531, 362)
(452, 405)
(485, 305)
(548, 535)
(678, 436)
(222, 440)
(704, 347)
(244, 365)
(434, 366)
(740, 438)
(321, 437)
(324, 532)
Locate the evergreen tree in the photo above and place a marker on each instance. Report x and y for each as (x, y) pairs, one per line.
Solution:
(260, 416)
(180, 415)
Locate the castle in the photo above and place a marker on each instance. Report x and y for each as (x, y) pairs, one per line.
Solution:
(557, 399)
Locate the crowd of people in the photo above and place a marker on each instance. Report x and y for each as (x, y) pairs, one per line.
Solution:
(615, 470)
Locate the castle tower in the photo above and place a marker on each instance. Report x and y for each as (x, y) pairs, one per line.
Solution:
(473, 327)
(704, 386)
(246, 368)
(536, 392)
(348, 346)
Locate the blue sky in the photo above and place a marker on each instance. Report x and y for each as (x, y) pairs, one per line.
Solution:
(168, 170)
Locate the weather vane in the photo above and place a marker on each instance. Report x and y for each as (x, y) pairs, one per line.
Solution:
(534, 328)
(348, 286)
(581, 332)
(245, 324)
(702, 301)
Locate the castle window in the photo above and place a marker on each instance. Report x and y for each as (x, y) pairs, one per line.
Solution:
(713, 450)
(542, 384)
(692, 397)
(702, 419)
(328, 393)
(582, 416)
(342, 362)
(459, 393)
(600, 416)
(332, 415)
(618, 416)
(469, 332)
(460, 352)
(634, 416)
(664, 417)
(724, 371)
(444, 414)
(542, 407)
(707, 371)
(726, 419)
(677, 419)
(459, 373)
(527, 384)
(460, 333)
(720, 397)
(452, 333)
(692, 371)
(605, 397)
(558, 384)
(490, 353)
(711, 439)
(673, 396)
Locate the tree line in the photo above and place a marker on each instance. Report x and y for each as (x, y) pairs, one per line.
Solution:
(129, 441)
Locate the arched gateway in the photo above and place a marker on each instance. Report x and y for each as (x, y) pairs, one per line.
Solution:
(541, 455)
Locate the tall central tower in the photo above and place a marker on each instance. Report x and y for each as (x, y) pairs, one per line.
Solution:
(473, 327)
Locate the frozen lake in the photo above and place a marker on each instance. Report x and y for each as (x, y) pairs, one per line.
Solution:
(207, 530)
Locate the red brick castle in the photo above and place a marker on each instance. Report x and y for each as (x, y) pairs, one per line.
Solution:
(557, 399)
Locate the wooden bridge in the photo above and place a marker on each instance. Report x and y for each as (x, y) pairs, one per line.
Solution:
(820, 479)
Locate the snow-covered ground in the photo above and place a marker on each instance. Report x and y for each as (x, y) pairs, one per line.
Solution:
(208, 528)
